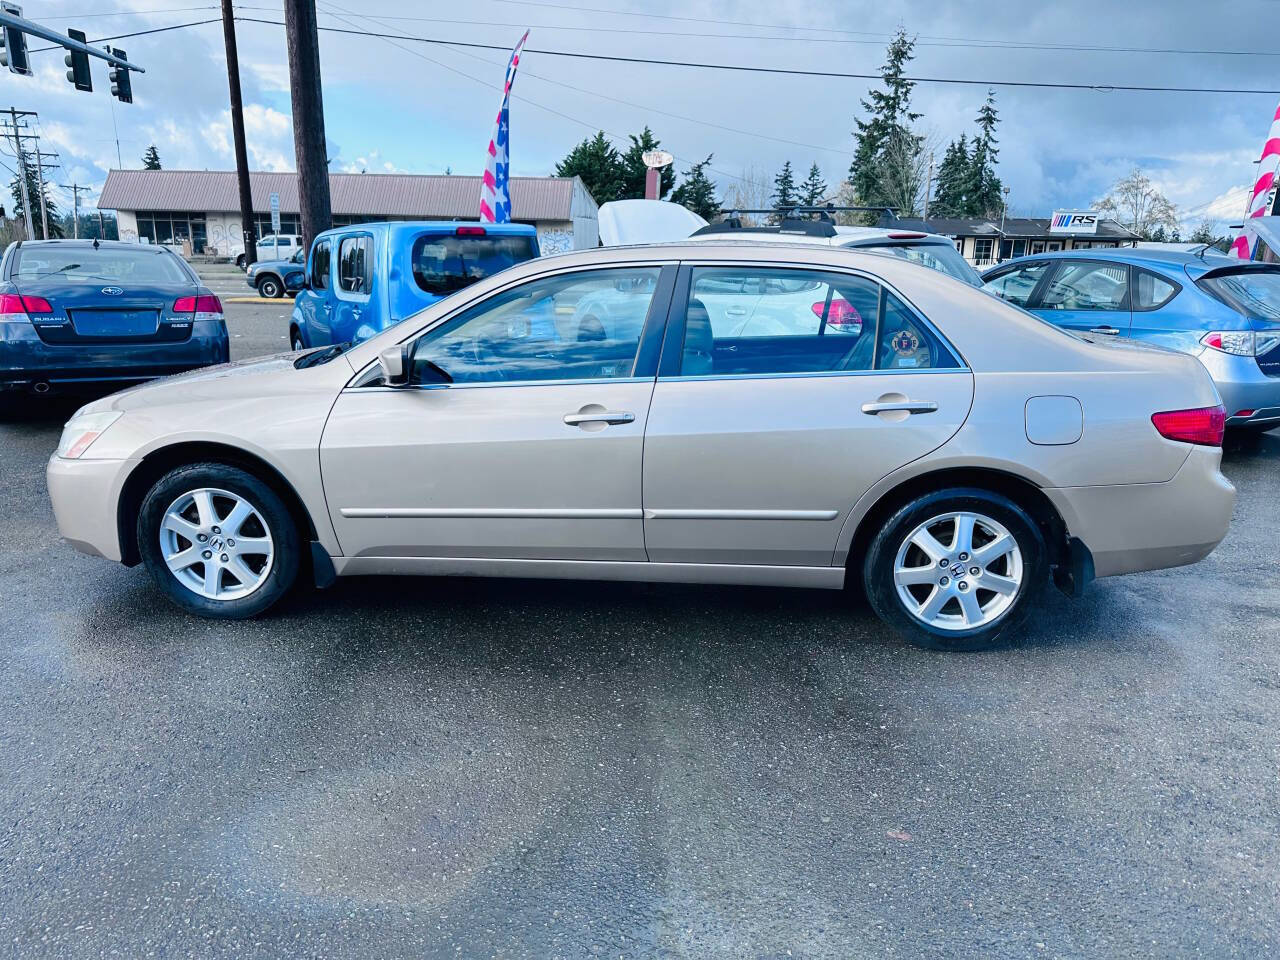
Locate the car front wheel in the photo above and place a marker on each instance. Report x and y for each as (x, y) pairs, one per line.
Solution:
(270, 287)
(956, 570)
(218, 541)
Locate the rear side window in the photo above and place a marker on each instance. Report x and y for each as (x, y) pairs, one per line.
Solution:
(353, 265)
(320, 266)
(1150, 290)
(1087, 285)
(76, 264)
(443, 263)
(758, 320)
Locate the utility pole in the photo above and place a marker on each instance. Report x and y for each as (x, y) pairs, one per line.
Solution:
(75, 189)
(928, 188)
(250, 230)
(22, 173)
(40, 169)
(303, 41)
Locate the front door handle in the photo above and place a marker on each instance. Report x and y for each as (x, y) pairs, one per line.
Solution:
(1109, 331)
(909, 406)
(604, 416)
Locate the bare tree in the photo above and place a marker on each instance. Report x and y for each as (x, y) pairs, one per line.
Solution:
(753, 190)
(903, 170)
(1139, 205)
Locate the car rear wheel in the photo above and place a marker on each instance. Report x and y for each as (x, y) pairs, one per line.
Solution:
(218, 541)
(240, 261)
(956, 570)
(270, 287)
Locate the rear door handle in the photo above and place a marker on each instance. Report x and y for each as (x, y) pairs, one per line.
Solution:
(910, 406)
(604, 416)
(1109, 331)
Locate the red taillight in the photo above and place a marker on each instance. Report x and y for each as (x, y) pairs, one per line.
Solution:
(469, 232)
(207, 304)
(907, 236)
(1243, 414)
(1213, 340)
(16, 303)
(1203, 425)
(839, 313)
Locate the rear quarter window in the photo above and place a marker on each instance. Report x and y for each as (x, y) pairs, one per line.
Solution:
(443, 263)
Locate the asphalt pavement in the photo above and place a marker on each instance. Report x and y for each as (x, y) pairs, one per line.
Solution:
(469, 768)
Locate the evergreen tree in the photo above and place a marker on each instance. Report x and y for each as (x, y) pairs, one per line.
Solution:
(634, 169)
(784, 188)
(598, 164)
(888, 123)
(951, 193)
(33, 191)
(986, 190)
(151, 159)
(814, 188)
(696, 191)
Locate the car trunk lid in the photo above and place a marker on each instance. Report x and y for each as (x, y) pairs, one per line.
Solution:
(103, 312)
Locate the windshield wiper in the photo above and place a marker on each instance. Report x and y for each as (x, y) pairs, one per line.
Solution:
(62, 269)
(320, 357)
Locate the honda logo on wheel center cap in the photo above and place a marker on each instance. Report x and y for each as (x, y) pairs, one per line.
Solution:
(958, 570)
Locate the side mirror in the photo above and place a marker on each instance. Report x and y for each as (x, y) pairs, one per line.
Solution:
(395, 364)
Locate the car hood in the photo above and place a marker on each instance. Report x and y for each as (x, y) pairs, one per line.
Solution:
(265, 378)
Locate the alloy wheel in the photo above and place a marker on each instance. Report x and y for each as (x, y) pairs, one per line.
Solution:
(958, 571)
(216, 543)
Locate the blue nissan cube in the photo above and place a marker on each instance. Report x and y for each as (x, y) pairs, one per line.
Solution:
(367, 277)
(1223, 310)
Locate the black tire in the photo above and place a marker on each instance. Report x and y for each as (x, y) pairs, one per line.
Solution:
(240, 261)
(270, 287)
(296, 342)
(287, 547)
(881, 557)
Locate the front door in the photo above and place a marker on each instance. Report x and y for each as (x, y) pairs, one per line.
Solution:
(1087, 296)
(784, 395)
(533, 451)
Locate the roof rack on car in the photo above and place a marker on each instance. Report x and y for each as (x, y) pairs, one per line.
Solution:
(809, 221)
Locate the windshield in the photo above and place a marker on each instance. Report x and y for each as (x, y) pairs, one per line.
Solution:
(936, 256)
(445, 263)
(83, 264)
(1255, 293)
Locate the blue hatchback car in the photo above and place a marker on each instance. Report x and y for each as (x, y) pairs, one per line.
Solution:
(1223, 310)
(366, 277)
(93, 316)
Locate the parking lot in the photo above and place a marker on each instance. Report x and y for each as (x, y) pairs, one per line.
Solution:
(417, 768)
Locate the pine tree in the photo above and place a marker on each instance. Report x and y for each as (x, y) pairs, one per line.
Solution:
(33, 191)
(634, 170)
(986, 190)
(784, 188)
(888, 122)
(696, 191)
(151, 159)
(814, 189)
(950, 198)
(598, 164)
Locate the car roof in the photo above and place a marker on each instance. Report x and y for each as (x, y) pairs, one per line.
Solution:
(1170, 261)
(398, 226)
(844, 235)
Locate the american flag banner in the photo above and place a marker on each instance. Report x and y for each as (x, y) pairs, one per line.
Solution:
(1267, 167)
(495, 192)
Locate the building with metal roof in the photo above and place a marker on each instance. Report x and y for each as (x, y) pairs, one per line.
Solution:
(984, 241)
(202, 207)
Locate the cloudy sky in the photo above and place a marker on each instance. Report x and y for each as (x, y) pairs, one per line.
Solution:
(401, 105)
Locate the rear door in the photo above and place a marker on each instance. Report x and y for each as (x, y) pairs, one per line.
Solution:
(1087, 296)
(760, 438)
(353, 280)
(109, 295)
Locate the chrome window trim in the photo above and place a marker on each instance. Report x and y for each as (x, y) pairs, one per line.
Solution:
(377, 388)
(816, 374)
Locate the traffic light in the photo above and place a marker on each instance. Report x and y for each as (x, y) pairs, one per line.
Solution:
(121, 88)
(79, 64)
(13, 44)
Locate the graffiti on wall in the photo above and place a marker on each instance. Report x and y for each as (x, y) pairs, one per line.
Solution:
(555, 241)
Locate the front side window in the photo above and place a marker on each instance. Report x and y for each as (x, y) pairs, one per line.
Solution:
(353, 266)
(443, 263)
(320, 266)
(577, 326)
(1087, 285)
(759, 320)
(1019, 283)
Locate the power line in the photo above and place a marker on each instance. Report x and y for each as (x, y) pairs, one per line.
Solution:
(141, 33)
(791, 71)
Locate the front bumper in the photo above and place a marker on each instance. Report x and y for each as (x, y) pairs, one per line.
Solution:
(1150, 526)
(85, 494)
(1244, 389)
(27, 363)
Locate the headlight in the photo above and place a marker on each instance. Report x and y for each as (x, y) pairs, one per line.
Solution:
(81, 430)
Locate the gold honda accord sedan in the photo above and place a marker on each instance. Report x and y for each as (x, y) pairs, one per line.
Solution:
(715, 413)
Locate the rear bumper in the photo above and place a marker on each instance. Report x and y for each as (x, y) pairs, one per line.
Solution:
(1244, 387)
(27, 363)
(85, 494)
(1150, 526)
